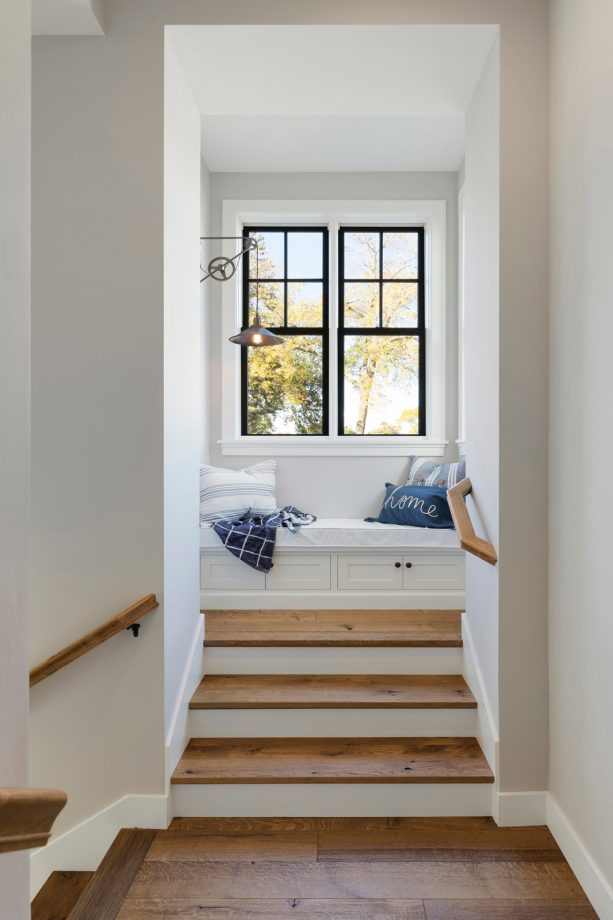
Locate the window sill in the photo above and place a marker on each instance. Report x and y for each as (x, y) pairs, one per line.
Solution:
(332, 447)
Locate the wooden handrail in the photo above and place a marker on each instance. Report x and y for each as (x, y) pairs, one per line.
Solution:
(27, 816)
(86, 643)
(469, 541)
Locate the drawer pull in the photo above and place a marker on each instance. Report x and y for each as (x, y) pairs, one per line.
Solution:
(397, 564)
(409, 565)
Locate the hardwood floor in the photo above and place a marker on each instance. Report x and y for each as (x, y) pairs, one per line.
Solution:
(59, 895)
(353, 869)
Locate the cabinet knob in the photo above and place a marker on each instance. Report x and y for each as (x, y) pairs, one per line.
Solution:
(409, 565)
(397, 564)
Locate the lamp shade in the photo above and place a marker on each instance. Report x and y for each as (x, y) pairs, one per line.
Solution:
(256, 336)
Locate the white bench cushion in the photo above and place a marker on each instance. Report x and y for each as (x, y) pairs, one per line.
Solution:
(350, 533)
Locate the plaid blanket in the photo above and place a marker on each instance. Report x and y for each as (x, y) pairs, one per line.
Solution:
(251, 538)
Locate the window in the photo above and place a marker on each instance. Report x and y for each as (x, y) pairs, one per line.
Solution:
(381, 333)
(285, 389)
(380, 340)
(317, 403)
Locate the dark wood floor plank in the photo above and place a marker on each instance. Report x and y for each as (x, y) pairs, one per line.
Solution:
(324, 628)
(333, 691)
(438, 839)
(109, 885)
(329, 760)
(266, 909)
(59, 895)
(234, 847)
(398, 880)
(579, 909)
(179, 826)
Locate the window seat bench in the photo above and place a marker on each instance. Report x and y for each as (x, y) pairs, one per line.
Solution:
(339, 564)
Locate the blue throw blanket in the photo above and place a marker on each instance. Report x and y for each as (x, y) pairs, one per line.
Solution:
(251, 538)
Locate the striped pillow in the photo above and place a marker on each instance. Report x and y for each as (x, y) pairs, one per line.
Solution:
(424, 472)
(230, 493)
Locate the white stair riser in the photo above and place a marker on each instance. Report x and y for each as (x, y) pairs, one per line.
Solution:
(356, 660)
(332, 800)
(331, 600)
(331, 723)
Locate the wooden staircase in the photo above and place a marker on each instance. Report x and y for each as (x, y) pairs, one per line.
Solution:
(288, 735)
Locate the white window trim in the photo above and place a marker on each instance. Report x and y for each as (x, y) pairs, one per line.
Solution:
(432, 214)
(461, 441)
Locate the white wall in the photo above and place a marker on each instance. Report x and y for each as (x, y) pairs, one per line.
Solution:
(205, 300)
(581, 434)
(97, 727)
(15, 423)
(182, 379)
(334, 486)
(481, 356)
(98, 448)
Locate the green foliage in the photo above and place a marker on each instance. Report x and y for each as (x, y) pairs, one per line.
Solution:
(285, 387)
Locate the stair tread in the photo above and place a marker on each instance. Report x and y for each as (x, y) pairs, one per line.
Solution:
(331, 760)
(333, 691)
(110, 883)
(59, 895)
(321, 628)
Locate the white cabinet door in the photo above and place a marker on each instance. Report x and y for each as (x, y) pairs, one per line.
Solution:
(299, 573)
(370, 573)
(227, 573)
(430, 572)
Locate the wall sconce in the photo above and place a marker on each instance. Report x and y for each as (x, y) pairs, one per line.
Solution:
(222, 268)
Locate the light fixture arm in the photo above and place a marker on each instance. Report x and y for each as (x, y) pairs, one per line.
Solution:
(222, 268)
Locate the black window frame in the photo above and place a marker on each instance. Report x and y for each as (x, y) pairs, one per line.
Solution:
(418, 331)
(323, 330)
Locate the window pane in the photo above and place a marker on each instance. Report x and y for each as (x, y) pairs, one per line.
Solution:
(361, 304)
(271, 256)
(285, 387)
(399, 303)
(305, 255)
(400, 255)
(381, 384)
(304, 303)
(271, 302)
(361, 254)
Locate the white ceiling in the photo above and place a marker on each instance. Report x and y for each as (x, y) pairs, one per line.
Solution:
(337, 98)
(67, 17)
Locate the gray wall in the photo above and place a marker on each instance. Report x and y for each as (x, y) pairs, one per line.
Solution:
(581, 433)
(334, 486)
(15, 423)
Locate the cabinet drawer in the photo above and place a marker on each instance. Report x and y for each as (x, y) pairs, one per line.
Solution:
(370, 573)
(433, 572)
(227, 573)
(299, 573)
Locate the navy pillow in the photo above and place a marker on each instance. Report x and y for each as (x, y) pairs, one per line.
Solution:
(415, 506)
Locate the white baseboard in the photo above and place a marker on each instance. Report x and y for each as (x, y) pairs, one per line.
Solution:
(332, 600)
(82, 847)
(487, 733)
(178, 733)
(519, 809)
(590, 876)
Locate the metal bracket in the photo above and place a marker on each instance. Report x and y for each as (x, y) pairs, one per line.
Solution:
(133, 628)
(222, 268)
